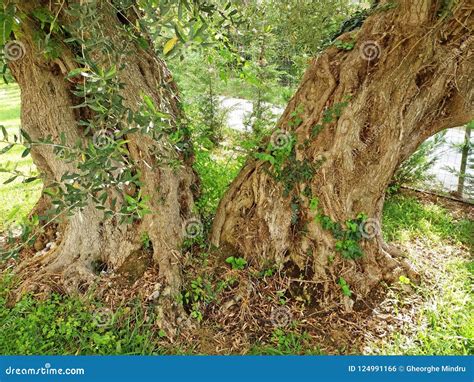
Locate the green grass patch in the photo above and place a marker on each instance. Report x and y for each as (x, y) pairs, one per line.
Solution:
(406, 218)
(16, 198)
(70, 326)
(216, 172)
(286, 342)
(441, 321)
(444, 322)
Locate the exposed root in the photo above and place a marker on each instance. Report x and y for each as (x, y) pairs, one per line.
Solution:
(243, 314)
(396, 264)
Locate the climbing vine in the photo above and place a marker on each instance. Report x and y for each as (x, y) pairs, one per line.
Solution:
(347, 235)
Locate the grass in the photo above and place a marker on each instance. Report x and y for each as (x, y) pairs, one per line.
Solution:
(405, 218)
(61, 325)
(216, 174)
(444, 321)
(16, 199)
(437, 314)
(286, 342)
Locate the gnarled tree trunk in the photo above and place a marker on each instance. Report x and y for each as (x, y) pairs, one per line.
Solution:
(47, 105)
(408, 76)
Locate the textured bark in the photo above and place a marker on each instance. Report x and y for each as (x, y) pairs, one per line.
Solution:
(409, 76)
(86, 237)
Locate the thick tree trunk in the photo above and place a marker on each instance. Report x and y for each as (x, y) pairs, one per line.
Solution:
(47, 109)
(408, 77)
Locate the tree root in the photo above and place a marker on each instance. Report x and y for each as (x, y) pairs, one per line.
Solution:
(396, 265)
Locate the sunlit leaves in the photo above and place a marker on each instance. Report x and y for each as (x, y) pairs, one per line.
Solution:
(170, 45)
(176, 26)
(7, 148)
(8, 24)
(7, 14)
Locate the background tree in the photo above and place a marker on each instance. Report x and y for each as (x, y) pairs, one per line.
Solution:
(292, 32)
(464, 177)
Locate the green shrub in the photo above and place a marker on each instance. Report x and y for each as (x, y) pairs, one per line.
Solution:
(414, 170)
